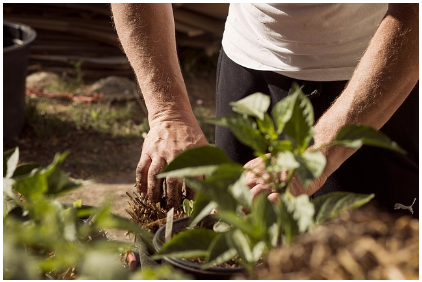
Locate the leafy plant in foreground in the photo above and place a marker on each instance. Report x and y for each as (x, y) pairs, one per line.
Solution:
(282, 140)
(43, 238)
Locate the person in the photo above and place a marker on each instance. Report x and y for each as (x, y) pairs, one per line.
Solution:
(357, 63)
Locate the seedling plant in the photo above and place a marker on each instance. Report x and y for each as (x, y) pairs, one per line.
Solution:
(46, 239)
(247, 228)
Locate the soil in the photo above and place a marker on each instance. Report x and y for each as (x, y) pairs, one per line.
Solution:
(109, 161)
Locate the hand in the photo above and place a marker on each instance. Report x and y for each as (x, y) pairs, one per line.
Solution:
(259, 181)
(164, 141)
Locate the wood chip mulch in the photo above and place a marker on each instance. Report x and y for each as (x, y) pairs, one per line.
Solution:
(362, 244)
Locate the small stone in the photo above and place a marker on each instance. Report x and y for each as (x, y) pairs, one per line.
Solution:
(115, 88)
(42, 80)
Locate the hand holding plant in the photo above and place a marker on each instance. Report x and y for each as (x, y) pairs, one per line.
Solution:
(281, 143)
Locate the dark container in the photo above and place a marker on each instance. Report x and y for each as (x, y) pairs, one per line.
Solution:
(17, 38)
(194, 269)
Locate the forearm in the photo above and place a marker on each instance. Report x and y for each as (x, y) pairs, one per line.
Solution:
(383, 79)
(147, 35)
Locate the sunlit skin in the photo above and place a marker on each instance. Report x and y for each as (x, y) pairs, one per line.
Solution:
(151, 49)
(386, 74)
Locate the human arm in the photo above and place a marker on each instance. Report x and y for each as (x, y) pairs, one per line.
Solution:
(383, 79)
(146, 32)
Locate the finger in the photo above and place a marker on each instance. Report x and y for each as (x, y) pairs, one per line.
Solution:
(256, 176)
(250, 179)
(260, 188)
(174, 192)
(142, 174)
(155, 186)
(273, 197)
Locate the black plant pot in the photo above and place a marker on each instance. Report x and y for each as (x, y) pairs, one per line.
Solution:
(189, 267)
(17, 38)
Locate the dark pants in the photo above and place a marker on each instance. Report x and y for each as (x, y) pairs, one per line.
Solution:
(393, 177)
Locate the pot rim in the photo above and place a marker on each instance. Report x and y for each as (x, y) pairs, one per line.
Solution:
(32, 34)
(188, 264)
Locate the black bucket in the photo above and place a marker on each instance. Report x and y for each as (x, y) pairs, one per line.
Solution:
(16, 41)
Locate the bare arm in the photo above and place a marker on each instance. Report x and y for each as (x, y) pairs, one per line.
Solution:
(383, 79)
(385, 76)
(147, 34)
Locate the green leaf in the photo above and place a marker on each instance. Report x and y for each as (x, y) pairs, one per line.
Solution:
(8, 205)
(255, 105)
(219, 251)
(215, 186)
(284, 161)
(274, 233)
(205, 156)
(286, 221)
(282, 112)
(281, 145)
(84, 212)
(18, 264)
(242, 224)
(258, 249)
(332, 204)
(77, 203)
(203, 213)
(188, 243)
(103, 219)
(242, 193)
(266, 126)
(312, 164)
(8, 184)
(58, 182)
(187, 206)
(160, 272)
(224, 201)
(303, 212)
(299, 126)
(225, 175)
(296, 214)
(69, 231)
(221, 226)
(354, 136)
(32, 186)
(189, 172)
(25, 169)
(245, 130)
(11, 163)
(203, 205)
(263, 215)
(99, 265)
(240, 242)
(6, 156)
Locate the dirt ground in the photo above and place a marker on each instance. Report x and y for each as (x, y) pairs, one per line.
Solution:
(109, 161)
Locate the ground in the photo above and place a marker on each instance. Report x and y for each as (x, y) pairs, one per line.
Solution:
(104, 138)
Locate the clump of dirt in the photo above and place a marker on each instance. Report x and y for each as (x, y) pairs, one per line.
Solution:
(361, 244)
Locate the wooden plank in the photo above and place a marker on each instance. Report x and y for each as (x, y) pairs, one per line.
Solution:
(211, 25)
(189, 30)
(98, 8)
(214, 10)
(75, 48)
(116, 60)
(60, 26)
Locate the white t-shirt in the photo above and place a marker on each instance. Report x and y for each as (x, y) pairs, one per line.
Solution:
(319, 42)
